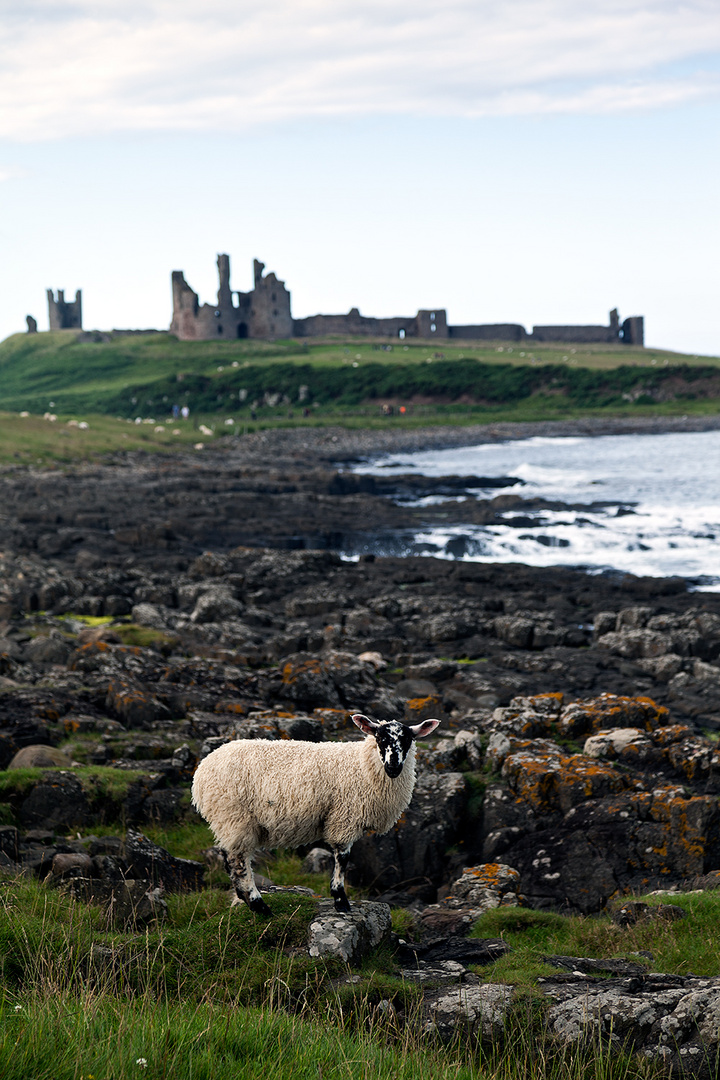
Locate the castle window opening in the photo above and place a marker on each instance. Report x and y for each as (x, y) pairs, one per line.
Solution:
(401, 334)
(217, 314)
(433, 327)
(242, 330)
(220, 330)
(432, 316)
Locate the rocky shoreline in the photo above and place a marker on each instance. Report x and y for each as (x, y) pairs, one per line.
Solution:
(151, 609)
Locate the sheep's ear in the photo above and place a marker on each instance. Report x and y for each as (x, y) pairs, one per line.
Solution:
(364, 723)
(421, 730)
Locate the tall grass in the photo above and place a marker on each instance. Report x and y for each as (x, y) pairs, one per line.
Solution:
(217, 992)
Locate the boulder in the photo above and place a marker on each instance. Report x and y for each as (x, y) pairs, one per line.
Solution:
(216, 605)
(134, 705)
(672, 1020)
(413, 851)
(40, 757)
(48, 650)
(318, 861)
(484, 887)
(476, 1011)
(56, 801)
(149, 861)
(128, 904)
(350, 936)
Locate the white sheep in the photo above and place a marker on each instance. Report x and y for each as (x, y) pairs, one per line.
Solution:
(257, 793)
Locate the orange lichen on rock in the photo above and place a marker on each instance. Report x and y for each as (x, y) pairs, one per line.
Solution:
(292, 671)
(611, 711)
(552, 781)
(424, 708)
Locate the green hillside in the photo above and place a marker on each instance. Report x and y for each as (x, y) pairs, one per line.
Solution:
(146, 375)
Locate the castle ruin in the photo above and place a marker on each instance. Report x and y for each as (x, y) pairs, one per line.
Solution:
(64, 314)
(265, 313)
(262, 313)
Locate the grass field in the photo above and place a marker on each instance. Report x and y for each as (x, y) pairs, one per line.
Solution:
(64, 400)
(217, 992)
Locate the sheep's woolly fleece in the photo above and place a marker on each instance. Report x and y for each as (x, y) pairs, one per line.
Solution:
(263, 793)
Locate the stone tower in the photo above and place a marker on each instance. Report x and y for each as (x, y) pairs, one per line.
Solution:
(64, 314)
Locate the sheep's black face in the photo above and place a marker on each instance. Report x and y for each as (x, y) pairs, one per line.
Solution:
(393, 741)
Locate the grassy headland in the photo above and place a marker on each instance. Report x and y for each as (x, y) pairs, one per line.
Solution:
(124, 388)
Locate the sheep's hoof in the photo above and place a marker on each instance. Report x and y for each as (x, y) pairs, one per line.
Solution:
(342, 904)
(259, 906)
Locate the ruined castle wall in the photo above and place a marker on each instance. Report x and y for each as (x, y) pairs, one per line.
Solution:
(575, 334)
(633, 330)
(265, 313)
(426, 324)
(489, 332)
(353, 324)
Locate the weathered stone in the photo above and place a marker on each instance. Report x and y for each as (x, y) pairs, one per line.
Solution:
(216, 605)
(128, 904)
(413, 851)
(40, 757)
(671, 1019)
(349, 936)
(318, 861)
(56, 801)
(482, 888)
(71, 862)
(148, 860)
(477, 1011)
(48, 650)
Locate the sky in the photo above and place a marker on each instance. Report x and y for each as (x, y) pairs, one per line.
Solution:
(532, 161)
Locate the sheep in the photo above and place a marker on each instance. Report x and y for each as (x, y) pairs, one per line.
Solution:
(261, 793)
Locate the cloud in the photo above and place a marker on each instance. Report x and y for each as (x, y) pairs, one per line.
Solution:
(85, 68)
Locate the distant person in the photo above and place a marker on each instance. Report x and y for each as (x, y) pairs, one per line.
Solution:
(185, 412)
(175, 411)
(253, 414)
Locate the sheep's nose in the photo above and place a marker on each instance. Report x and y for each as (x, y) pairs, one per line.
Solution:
(393, 770)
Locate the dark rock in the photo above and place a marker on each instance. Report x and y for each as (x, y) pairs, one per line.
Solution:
(147, 860)
(481, 951)
(412, 852)
(590, 966)
(127, 904)
(56, 801)
(133, 705)
(9, 841)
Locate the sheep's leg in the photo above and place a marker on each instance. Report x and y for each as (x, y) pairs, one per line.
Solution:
(243, 881)
(337, 884)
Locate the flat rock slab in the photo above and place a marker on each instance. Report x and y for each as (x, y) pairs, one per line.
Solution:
(349, 936)
(672, 1019)
(441, 971)
(478, 1011)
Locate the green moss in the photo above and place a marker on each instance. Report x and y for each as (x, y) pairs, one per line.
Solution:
(146, 637)
(89, 620)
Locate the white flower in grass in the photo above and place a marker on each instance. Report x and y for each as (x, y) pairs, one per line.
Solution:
(142, 1062)
(18, 1008)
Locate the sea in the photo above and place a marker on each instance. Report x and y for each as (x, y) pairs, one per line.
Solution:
(644, 504)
